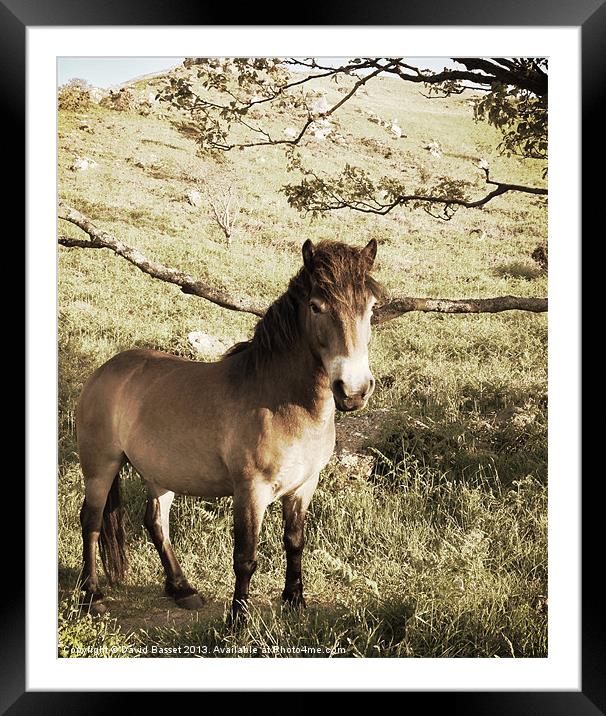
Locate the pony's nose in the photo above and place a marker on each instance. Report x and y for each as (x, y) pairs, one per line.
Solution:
(352, 399)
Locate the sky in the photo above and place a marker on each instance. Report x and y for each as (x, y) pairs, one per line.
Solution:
(110, 71)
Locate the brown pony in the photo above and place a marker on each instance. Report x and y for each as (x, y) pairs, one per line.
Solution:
(257, 424)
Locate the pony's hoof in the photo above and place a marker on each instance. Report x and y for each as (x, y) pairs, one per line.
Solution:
(191, 601)
(184, 594)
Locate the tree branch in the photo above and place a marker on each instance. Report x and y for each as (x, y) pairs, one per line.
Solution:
(532, 79)
(81, 243)
(394, 307)
(404, 304)
(523, 74)
(310, 120)
(326, 196)
(187, 283)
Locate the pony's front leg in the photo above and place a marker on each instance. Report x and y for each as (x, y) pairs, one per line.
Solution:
(251, 498)
(294, 510)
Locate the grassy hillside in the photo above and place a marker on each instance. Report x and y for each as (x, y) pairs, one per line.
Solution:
(442, 551)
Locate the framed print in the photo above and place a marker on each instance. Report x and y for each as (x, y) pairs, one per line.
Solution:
(168, 244)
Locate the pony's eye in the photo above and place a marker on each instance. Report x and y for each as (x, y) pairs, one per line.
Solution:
(314, 307)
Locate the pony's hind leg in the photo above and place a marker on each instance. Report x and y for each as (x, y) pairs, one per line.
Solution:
(157, 524)
(101, 499)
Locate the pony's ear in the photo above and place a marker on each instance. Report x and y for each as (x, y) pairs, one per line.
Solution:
(308, 255)
(369, 252)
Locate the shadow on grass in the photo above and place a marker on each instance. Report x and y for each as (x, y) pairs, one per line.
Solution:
(271, 629)
(501, 437)
(191, 131)
(459, 155)
(162, 144)
(528, 270)
(137, 606)
(150, 622)
(159, 222)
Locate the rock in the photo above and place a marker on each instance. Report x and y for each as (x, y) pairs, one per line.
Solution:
(97, 94)
(194, 197)
(144, 161)
(357, 465)
(81, 164)
(433, 148)
(206, 344)
(320, 129)
(320, 106)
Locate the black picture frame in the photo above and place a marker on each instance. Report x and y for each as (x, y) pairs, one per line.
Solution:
(590, 16)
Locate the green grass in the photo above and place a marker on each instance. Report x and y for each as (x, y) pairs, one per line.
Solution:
(442, 551)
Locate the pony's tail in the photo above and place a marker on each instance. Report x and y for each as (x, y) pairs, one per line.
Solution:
(112, 540)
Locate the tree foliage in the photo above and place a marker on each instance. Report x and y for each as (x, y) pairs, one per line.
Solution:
(519, 113)
(226, 112)
(75, 95)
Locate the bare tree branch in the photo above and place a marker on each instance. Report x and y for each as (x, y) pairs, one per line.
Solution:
(187, 283)
(404, 304)
(531, 79)
(91, 243)
(394, 307)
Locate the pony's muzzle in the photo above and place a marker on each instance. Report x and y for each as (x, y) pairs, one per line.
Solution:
(346, 400)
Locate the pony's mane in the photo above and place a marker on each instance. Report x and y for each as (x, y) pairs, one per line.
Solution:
(340, 276)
